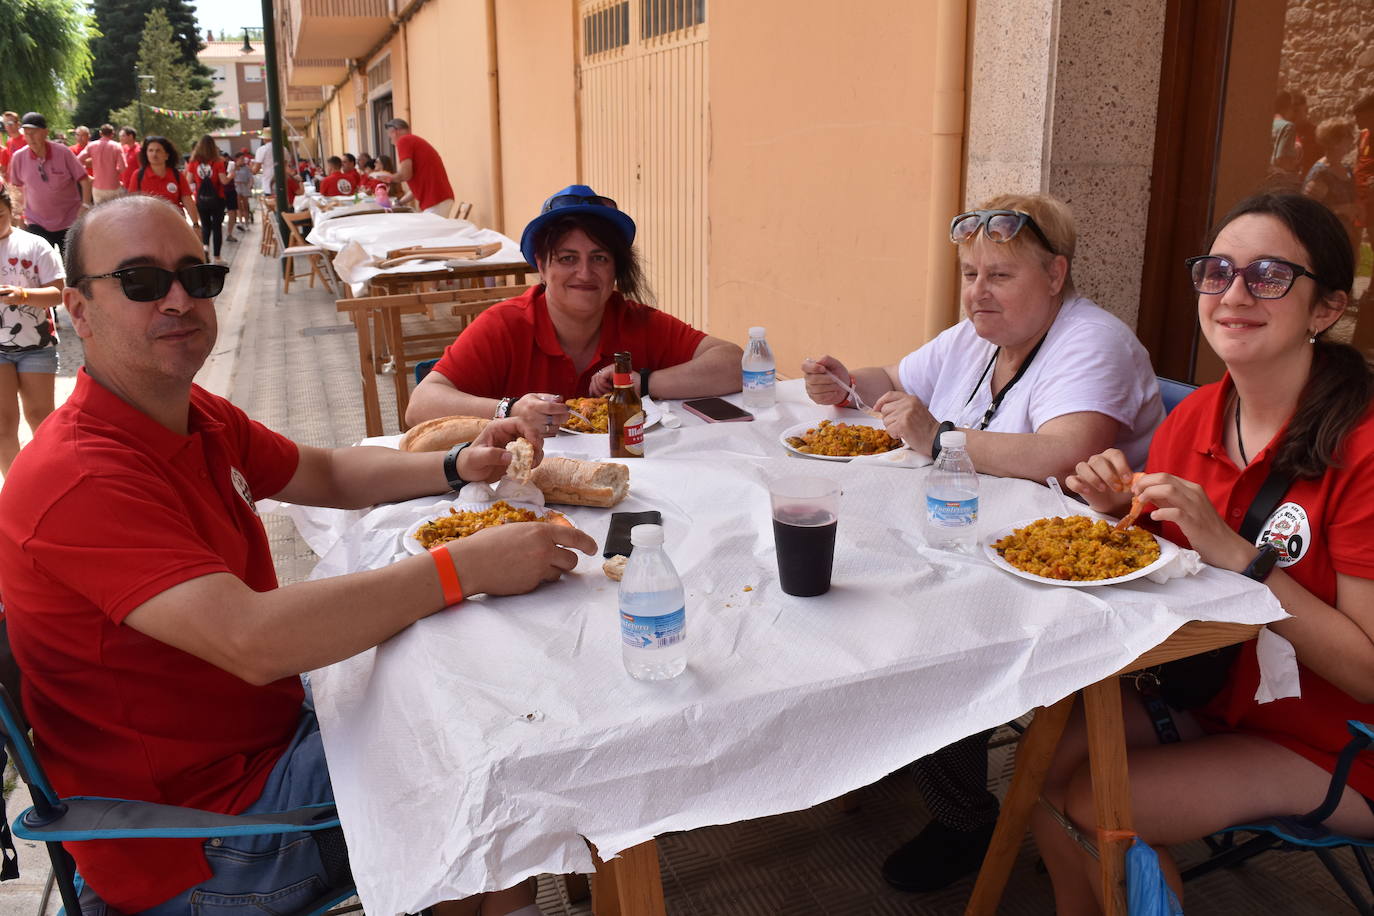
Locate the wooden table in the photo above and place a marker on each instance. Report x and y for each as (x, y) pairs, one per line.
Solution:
(1107, 764)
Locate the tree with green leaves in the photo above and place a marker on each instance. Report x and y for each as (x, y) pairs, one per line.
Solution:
(159, 58)
(44, 54)
(114, 83)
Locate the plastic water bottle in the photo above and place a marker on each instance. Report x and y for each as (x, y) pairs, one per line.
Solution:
(952, 496)
(653, 616)
(759, 374)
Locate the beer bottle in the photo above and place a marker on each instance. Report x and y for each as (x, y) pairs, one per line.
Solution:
(625, 412)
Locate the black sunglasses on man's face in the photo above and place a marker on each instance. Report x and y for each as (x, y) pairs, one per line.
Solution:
(149, 284)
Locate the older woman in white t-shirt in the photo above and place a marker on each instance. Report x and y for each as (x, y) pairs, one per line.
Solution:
(1040, 378)
(1037, 375)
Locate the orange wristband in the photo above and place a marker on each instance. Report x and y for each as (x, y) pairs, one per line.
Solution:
(448, 574)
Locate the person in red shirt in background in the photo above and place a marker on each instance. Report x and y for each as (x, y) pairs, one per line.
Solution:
(157, 176)
(128, 139)
(104, 162)
(208, 175)
(351, 173)
(421, 169)
(15, 141)
(334, 184)
(1298, 408)
(83, 140)
(131, 552)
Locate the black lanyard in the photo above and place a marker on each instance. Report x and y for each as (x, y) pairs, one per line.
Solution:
(997, 398)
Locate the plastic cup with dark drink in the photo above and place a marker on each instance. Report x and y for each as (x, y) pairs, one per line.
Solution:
(806, 511)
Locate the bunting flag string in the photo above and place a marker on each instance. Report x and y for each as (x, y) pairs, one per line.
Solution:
(227, 111)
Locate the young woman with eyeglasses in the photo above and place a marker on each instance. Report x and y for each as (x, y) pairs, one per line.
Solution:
(1039, 377)
(559, 338)
(31, 280)
(1295, 408)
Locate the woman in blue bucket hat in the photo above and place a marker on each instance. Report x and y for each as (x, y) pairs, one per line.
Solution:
(557, 340)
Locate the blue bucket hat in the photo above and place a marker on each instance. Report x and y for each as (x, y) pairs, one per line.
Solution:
(575, 198)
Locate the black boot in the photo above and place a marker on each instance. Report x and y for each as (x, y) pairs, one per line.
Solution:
(936, 857)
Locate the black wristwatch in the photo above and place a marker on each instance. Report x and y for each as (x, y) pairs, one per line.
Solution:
(1263, 563)
(455, 480)
(946, 426)
(643, 382)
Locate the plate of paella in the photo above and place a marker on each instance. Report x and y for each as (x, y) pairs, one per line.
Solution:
(836, 440)
(1077, 551)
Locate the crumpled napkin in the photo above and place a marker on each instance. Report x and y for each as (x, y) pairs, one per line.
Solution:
(512, 491)
(353, 257)
(1186, 563)
(897, 458)
(1278, 663)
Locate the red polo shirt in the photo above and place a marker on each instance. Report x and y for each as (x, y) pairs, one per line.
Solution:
(168, 186)
(338, 184)
(428, 180)
(1322, 527)
(511, 349)
(101, 512)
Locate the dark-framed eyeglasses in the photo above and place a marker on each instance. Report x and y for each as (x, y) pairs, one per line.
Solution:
(147, 283)
(1267, 278)
(576, 200)
(999, 226)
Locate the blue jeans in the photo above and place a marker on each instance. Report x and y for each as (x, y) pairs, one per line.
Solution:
(274, 873)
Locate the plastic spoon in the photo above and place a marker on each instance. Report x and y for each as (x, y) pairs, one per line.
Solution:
(858, 401)
(1053, 483)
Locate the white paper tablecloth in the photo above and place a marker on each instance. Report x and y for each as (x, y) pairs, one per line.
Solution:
(481, 744)
(363, 241)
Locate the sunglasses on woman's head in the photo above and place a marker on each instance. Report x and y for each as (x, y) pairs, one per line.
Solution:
(998, 226)
(1267, 278)
(149, 284)
(575, 200)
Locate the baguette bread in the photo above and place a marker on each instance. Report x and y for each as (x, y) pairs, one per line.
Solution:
(521, 460)
(442, 433)
(581, 483)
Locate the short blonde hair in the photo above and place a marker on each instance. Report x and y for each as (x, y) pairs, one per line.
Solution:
(1054, 219)
(1334, 129)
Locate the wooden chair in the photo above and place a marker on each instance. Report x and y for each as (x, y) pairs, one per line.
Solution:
(431, 322)
(268, 245)
(460, 210)
(296, 247)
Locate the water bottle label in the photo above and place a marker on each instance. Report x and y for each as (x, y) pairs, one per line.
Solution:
(653, 632)
(952, 513)
(758, 380)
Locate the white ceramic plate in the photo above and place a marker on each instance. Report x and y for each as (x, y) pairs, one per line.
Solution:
(1167, 551)
(412, 543)
(652, 414)
(800, 428)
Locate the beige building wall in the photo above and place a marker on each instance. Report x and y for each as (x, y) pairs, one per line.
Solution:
(820, 178)
(535, 60)
(449, 102)
(1063, 100)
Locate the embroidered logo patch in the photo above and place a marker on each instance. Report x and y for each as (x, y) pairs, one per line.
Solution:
(241, 488)
(1289, 531)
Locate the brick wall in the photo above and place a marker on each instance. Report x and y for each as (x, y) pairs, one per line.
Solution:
(1328, 53)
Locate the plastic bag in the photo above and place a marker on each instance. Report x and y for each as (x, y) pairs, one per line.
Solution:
(1147, 893)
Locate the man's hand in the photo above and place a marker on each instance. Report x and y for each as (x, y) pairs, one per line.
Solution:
(820, 387)
(486, 459)
(514, 559)
(908, 419)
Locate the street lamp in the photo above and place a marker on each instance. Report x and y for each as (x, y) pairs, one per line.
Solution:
(144, 81)
(247, 48)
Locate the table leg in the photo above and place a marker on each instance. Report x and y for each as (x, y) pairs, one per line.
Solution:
(630, 885)
(1032, 763)
(1111, 789)
(399, 380)
(372, 407)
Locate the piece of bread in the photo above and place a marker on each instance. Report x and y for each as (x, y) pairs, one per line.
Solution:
(581, 483)
(614, 568)
(521, 461)
(442, 433)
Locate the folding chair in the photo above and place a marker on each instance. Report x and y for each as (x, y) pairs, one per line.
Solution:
(54, 821)
(1171, 392)
(267, 246)
(1296, 833)
(460, 210)
(296, 247)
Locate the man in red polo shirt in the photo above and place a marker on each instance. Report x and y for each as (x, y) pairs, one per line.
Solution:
(420, 168)
(335, 184)
(159, 657)
(128, 138)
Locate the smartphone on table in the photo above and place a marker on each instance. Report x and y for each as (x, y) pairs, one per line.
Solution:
(717, 410)
(618, 536)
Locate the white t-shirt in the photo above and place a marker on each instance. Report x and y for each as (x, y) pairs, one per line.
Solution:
(264, 158)
(1090, 361)
(28, 261)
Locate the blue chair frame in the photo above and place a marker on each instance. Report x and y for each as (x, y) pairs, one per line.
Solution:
(1294, 833)
(423, 368)
(54, 820)
(1171, 392)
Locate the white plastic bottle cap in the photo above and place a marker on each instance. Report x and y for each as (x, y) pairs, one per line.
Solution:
(757, 332)
(953, 438)
(646, 536)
